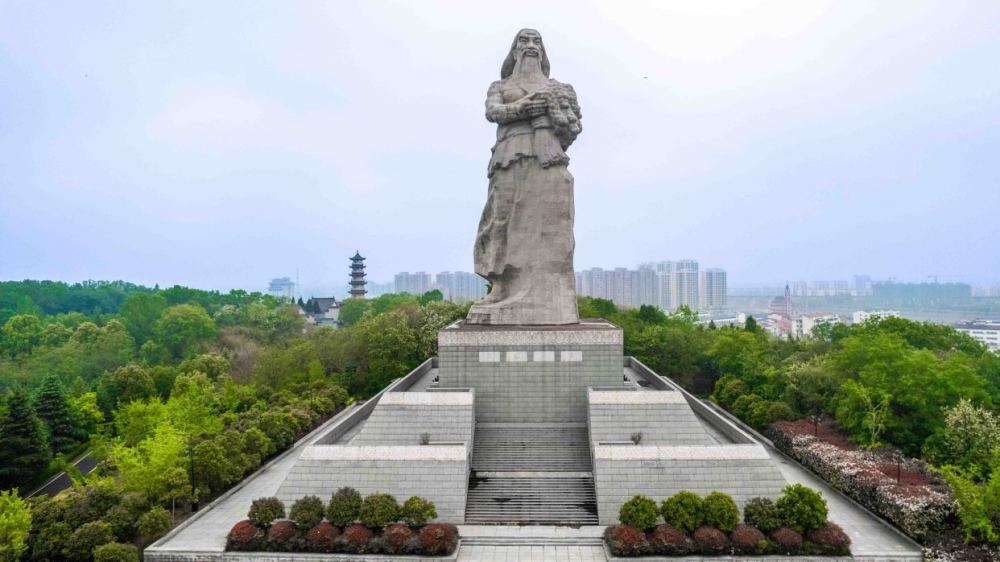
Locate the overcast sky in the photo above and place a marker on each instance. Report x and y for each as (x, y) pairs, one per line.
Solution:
(220, 144)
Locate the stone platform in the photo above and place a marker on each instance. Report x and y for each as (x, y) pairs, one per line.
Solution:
(530, 373)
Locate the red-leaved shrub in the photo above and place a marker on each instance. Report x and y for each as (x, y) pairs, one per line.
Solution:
(355, 538)
(438, 539)
(244, 536)
(322, 537)
(788, 541)
(748, 539)
(282, 536)
(626, 541)
(398, 539)
(710, 540)
(830, 539)
(670, 541)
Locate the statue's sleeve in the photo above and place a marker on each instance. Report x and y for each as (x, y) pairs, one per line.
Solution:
(496, 110)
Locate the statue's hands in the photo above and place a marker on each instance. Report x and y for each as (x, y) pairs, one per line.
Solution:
(531, 106)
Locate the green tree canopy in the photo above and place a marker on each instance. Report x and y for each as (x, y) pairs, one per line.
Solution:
(184, 329)
(54, 410)
(24, 449)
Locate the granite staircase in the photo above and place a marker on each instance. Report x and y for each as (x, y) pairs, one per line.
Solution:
(531, 474)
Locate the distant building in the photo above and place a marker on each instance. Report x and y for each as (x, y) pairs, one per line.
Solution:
(358, 276)
(461, 286)
(804, 324)
(985, 331)
(686, 278)
(282, 287)
(921, 294)
(862, 316)
(414, 283)
(782, 306)
(714, 289)
(862, 286)
(376, 289)
(323, 310)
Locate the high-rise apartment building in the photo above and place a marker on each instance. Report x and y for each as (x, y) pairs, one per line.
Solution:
(715, 289)
(414, 283)
(460, 286)
(686, 277)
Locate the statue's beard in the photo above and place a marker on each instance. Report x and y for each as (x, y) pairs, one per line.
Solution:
(529, 66)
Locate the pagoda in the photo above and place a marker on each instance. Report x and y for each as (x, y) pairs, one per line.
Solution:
(358, 276)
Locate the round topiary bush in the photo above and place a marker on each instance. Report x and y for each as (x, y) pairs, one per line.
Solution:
(322, 538)
(264, 510)
(639, 512)
(670, 541)
(282, 536)
(116, 552)
(355, 538)
(762, 513)
(399, 539)
(787, 540)
(801, 508)
(438, 539)
(683, 510)
(344, 507)
(748, 540)
(624, 540)
(720, 511)
(307, 512)
(417, 511)
(831, 540)
(245, 536)
(86, 538)
(710, 540)
(378, 510)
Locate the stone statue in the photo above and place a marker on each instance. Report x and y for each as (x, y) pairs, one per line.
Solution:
(524, 247)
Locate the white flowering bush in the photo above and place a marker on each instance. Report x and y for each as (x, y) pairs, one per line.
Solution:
(917, 502)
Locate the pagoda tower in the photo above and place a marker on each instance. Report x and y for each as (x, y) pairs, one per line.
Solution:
(358, 276)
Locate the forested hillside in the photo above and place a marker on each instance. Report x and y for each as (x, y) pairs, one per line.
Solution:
(179, 392)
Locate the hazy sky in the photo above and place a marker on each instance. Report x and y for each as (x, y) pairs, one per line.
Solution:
(220, 144)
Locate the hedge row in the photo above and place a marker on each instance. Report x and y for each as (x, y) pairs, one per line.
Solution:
(348, 523)
(711, 525)
(916, 509)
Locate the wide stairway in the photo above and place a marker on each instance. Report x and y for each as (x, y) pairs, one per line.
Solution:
(531, 474)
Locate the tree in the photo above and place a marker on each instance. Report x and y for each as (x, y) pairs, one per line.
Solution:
(15, 523)
(750, 324)
(967, 440)
(183, 330)
(209, 468)
(24, 450)
(863, 411)
(652, 315)
(157, 466)
(431, 296)
(20, 334)
(351, 311)
(140, 313)
(87, 414)
(124, 385)
(54, 410)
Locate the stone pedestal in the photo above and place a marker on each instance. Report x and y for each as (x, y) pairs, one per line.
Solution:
(531, 373)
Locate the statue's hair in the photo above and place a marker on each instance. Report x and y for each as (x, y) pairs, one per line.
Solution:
(508, 64)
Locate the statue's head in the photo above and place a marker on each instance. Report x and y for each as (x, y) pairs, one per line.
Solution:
(527, 43)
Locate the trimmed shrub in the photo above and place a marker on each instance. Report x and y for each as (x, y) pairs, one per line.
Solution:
(116, 552)
(720, 511)
(399, 539)
(639, 512)
(322, 538)
(86, 538)
(282, 536)
(307, 512)
(378, 510)
(355, 538)
(264, 510)
(710, 540)
(748, 540)
(417, 511)
(801, 508)
(344, 507)
(762, 513)
(787, 540)
(683, 510)
(245, 536)
(670, 541)
(831, 540)
(438, 539)
(624, 540)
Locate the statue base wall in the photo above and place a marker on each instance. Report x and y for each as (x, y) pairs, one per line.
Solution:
(530, 373)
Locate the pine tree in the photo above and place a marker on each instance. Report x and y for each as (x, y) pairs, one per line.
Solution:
(24, 450)
(53, 409)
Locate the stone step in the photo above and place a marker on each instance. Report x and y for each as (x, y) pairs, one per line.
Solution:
(531, 541)
(533, 501)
